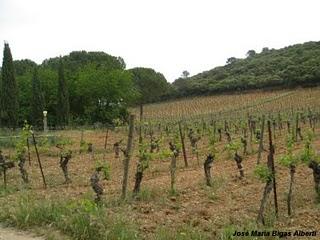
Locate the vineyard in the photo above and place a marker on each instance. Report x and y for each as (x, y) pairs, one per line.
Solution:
(196, 168)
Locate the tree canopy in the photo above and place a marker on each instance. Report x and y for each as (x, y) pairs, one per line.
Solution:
(151, 85)
(83, 87)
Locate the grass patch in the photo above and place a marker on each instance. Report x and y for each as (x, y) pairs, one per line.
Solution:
(79, 219)
(146, 195)
(217, 184)
(184, 232)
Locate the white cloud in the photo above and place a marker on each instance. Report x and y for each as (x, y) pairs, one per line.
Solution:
(167, 35)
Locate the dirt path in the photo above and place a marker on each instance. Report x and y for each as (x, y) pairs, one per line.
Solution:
(12, 234)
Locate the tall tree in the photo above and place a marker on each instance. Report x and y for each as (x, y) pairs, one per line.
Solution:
(150, 84)
(9, 91)
(37, 103)
(63, 107)
(185, 74)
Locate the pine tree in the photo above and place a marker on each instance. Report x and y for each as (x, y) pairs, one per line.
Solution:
(37, 100)
(9, 91)
(63, 97)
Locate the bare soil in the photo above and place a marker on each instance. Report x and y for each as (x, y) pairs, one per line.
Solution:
(12, 234)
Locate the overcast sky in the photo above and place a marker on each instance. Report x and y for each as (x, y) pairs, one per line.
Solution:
(167, 35)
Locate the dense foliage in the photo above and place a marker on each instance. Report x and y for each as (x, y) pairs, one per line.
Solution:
(297, 65)
(37, 103)
(151, 85)
(63, 106)
(9, 90)
(79, 88)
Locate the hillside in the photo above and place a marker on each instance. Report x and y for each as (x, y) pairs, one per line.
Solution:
(297, 65)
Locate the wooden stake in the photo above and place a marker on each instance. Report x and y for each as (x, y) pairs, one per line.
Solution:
(39, 161)
(28, 146)
(183, 146)
(261, 140)
(106, 139)
(5, 177)
(271, 147)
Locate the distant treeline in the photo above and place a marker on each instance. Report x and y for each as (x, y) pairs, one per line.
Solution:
(79, 88)
(297, 65)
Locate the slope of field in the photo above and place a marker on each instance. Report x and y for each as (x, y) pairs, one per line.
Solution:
(235, 105)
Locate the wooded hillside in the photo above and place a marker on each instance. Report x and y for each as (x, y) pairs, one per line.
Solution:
(297, 65)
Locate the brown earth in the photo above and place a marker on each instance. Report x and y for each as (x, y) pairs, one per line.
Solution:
(231, 201)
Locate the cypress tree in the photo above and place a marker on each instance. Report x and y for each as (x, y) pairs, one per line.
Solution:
(37, 103)
(9, 91)
(63, 97)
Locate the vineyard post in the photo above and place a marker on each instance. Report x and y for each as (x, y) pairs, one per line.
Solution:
(28, 146)
(39, 161)
(106, 139)
(310, 119)
(261, 140)
(226, 127)
(271, 154)
(5, 177)
(214, 130)
(296, 127)
(183, 146)
(105, 144)
(279, 122)
(140, 126)
(128, 153)
(274, 128)
(250, 128)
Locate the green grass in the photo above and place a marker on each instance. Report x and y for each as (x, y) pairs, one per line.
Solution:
(79, 219)
(184, 232)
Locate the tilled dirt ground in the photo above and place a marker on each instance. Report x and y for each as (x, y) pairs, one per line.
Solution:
(11, 234)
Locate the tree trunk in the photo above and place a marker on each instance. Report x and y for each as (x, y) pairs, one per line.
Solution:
(173, 168)
(128, 153)
(316, 175)
(238, 160)
(270, 182)
(292, 171)
(139, 176)
(207, 169)
(266, 192)
(24, 174)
